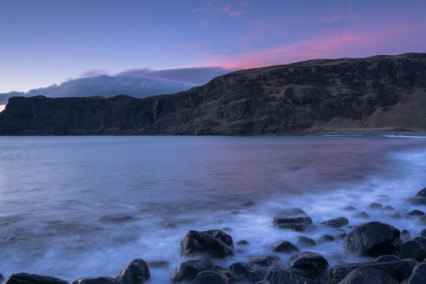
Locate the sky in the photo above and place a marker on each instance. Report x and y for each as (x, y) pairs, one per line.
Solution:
(45, 42)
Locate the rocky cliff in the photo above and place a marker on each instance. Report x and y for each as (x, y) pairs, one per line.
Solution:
(375, 93)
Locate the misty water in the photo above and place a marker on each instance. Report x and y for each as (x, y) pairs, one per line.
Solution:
(76, 207)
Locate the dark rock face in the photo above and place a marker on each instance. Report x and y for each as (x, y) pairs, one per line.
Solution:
(423, 233)
(305, 242)
(308, 264)
(419, 198)
(279, 276)
(416, 212)
(325, 239)
(336, 223)
(135, 273)
(380, 92)
(27, 278)
(211, 277)
(246, 271)
(398, 270)
(264, 260)
(412, 249)
(298, 224)
(213, 243)
(285, 247)
(368, 275)
(372, 239)
(387, 258)
(187, 270)
(97, 280)
(418, 276)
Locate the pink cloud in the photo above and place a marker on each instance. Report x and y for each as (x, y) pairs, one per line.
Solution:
(227, 10)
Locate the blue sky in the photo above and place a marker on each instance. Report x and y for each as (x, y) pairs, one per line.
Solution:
(43, 42)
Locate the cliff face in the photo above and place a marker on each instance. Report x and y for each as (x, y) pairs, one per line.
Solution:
(375, 93)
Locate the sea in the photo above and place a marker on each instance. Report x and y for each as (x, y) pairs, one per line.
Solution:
(74, 207)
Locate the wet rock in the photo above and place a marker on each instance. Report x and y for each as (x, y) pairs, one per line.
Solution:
(412, 249)
(211, 277)
(96, 280)
(422, 220)
(419, 198)
(367, 275)
(350, 208)
(158, 264)
(362, 214)
(421, 240)
(285, 247)
(325, 239)
(279, 276)
(247, 271)
(291, 212)
(27, 278)
(135, 273)
(308, 264)
(305, 242)
(416, 213)
(372, 239)
(398, 270)
(418, 276)
(1, 278)
(264, 260)
(187, 270)
(243, 243)
(405, 236)
(386, 258)
(423, 233)
(213, 243)
(375, 206)
(298, 224)
(336, 223)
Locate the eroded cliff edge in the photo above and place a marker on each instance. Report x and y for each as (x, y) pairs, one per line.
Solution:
(375, 93)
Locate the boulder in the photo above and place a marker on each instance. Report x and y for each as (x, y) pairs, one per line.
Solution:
(135, 273)
(419, 198)
(279, 276)
(291, 212)
(243, 243)
(418, 276)
(211, 277)
(375, 205)
(325, 239)
(398, 270)
(94, 280)
(423, 233)
(350, 208)
(362, 214)
(247, 271)
(28, 278)
(412, 249)
(372, 239)
(336, 223)
(212, 243)
(305, 242)
(405, 236)
(264, 260)
(387, 258)
(284, 247)
(308, 264)
(298, 224)
(368, 275)
(187, 270)
(416, 213)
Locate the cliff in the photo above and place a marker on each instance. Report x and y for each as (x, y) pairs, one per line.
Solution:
(375, 93)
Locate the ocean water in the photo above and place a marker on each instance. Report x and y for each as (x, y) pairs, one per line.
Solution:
(76, 207)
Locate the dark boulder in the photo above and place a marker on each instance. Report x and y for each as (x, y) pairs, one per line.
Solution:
(291, 212)
(213, 243)
(387, 258)
(418, 276)
(375, 206)
(264, 260)
(298, 224)
(362, 214)
(336, 223)
(325, 239)
(350, 208)
(419, 198)
(135, 273)
(243, 243)
(247, 271)
(187, 270)
(416, 213)
(423, 233)
(412, 249)
(27, 278)
(398, 270)
(367, 275)
(285, 247)
(211, 277)
(372, 239)
(279, 276)
(305, 242)
(308, 264)
(405, 236)
(95, 280)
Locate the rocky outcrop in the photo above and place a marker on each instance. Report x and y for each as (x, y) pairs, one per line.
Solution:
(378, 93)
(212, 243)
